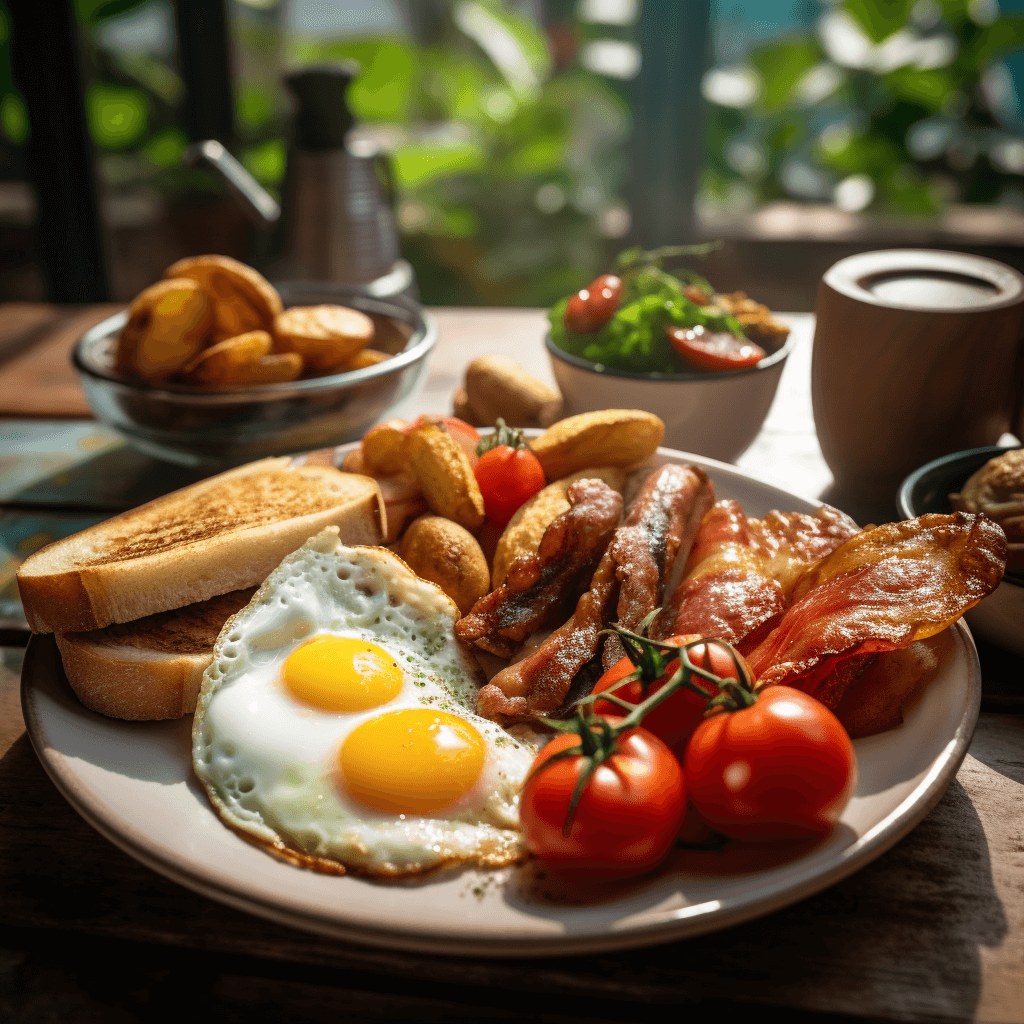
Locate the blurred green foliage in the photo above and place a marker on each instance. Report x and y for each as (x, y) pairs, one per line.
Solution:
(896, 107)
(504, 163)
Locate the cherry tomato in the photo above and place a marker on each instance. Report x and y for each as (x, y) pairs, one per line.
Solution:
(628, 815)
(713, 351)
(592, 307)
(674, 720)
(782, 768)
(696, 294)
(507, 477)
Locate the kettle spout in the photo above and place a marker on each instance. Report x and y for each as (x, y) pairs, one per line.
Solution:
(259, 204)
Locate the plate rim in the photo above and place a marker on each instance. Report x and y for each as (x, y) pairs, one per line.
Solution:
(668, 925)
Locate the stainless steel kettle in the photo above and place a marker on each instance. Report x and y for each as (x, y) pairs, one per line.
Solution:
(338, 220)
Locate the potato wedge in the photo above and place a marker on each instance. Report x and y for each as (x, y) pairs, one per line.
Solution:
(168, 325)
(441, 551)
(385, 448)
(612, 437)
(327, 337)
(445, 475)
(523, 534)
(273, 368)
(225, 363)
(368, 357)
(242, 298)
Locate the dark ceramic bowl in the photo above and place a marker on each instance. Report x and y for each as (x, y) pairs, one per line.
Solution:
(216, 429)
(1000, 617)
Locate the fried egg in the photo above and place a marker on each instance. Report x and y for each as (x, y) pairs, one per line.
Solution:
(335, 725)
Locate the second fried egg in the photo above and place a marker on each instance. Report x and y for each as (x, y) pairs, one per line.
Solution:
(336, 726)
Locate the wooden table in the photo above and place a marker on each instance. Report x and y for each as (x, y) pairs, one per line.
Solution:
(931, 931)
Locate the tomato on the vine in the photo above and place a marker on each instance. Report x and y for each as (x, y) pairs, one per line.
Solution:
(781, 768)
(629, 809)
(508, 474)
(592, 307)
(718, 350)
(675, 719)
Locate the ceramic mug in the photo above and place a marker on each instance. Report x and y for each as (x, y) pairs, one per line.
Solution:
(915, 356)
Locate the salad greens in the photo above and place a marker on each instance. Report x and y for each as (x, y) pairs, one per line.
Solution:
(652, 298)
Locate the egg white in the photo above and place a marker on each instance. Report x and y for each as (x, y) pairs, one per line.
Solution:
(269, 761)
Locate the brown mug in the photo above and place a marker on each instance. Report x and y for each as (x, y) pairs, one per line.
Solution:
(915, 356)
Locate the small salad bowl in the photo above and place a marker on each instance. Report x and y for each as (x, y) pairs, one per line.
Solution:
(713, 413)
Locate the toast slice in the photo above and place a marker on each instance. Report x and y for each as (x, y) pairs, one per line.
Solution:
(221, 534)
(151, 668)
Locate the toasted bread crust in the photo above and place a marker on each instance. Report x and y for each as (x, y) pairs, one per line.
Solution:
(219, 535)
(149, 669)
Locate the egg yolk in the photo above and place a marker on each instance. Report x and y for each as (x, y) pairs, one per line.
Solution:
(341, 673)
(413, 761)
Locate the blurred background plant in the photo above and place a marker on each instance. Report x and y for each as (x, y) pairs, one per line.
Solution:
(895, 107)
(508, 124)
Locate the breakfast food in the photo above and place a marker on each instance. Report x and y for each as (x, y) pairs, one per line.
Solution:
(742, 571)
(335, 725)
(997, 490)
(612, 437)
(442, 552)
(445, 475)
(167, 327)
(344, 725)
(243, 299)
(149, 669)
(225, 362)
(497, 387)
(525, 529)
(643, 319)
(540, 588)
(218, 535)
(327, 337)
(215, 323)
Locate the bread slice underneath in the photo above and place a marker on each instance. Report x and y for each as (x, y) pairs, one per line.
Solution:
(150, 668)
(221, 534)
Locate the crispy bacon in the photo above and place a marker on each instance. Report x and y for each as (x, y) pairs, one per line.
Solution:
(538, 684)
(540, 589)
(880, 591)
(741, 571)
(662, 522)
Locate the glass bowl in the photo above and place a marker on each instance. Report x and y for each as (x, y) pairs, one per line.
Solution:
(216, 429)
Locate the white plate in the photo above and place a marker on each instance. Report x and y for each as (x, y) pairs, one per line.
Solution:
(133, 782)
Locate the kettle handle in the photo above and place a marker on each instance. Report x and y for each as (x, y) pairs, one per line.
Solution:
(259, 204)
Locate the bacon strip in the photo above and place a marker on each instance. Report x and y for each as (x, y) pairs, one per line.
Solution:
(540, 589)
(880, 591)
(741, 571)
(662, 522)
(538, 684)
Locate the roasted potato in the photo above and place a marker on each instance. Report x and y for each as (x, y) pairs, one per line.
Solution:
(327, 337)
(225, 363)
(612, 437)
(444, 473)
(168, 325)
(385, 448)
(243, 299)
(497, 386)
(441, 551)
